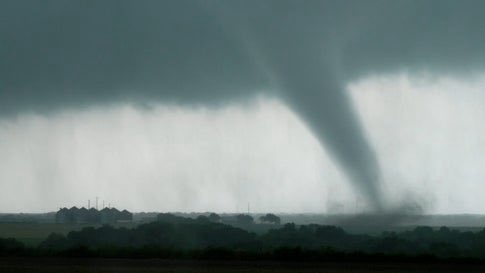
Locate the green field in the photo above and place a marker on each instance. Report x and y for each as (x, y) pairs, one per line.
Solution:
(32, 234)
(87, 265)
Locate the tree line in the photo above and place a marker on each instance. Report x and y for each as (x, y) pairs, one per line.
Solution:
(173, 236)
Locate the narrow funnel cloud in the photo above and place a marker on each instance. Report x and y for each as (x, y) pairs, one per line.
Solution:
(307, 72)
(326, 109)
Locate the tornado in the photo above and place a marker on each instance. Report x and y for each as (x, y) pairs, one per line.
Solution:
(330, 116)
(313, 90)
(305, 65)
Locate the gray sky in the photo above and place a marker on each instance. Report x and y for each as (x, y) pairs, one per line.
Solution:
(427, 132)
(119, 97)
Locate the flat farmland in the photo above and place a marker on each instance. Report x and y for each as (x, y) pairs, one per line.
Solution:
(33, 234)
(87, 265)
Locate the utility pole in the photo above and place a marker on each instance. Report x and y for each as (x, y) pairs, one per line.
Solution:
(96, 203)
(89, 204)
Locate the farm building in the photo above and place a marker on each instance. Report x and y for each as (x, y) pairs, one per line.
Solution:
(82, 215)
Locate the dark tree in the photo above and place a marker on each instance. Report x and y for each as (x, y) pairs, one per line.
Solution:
(244, 219)
(270, 218)
(10, 246)
(203, 218)
(214, 217)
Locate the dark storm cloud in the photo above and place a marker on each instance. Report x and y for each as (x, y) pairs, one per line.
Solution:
(62, 54)
(67, 53)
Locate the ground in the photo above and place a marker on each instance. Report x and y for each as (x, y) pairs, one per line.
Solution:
(88, 265)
